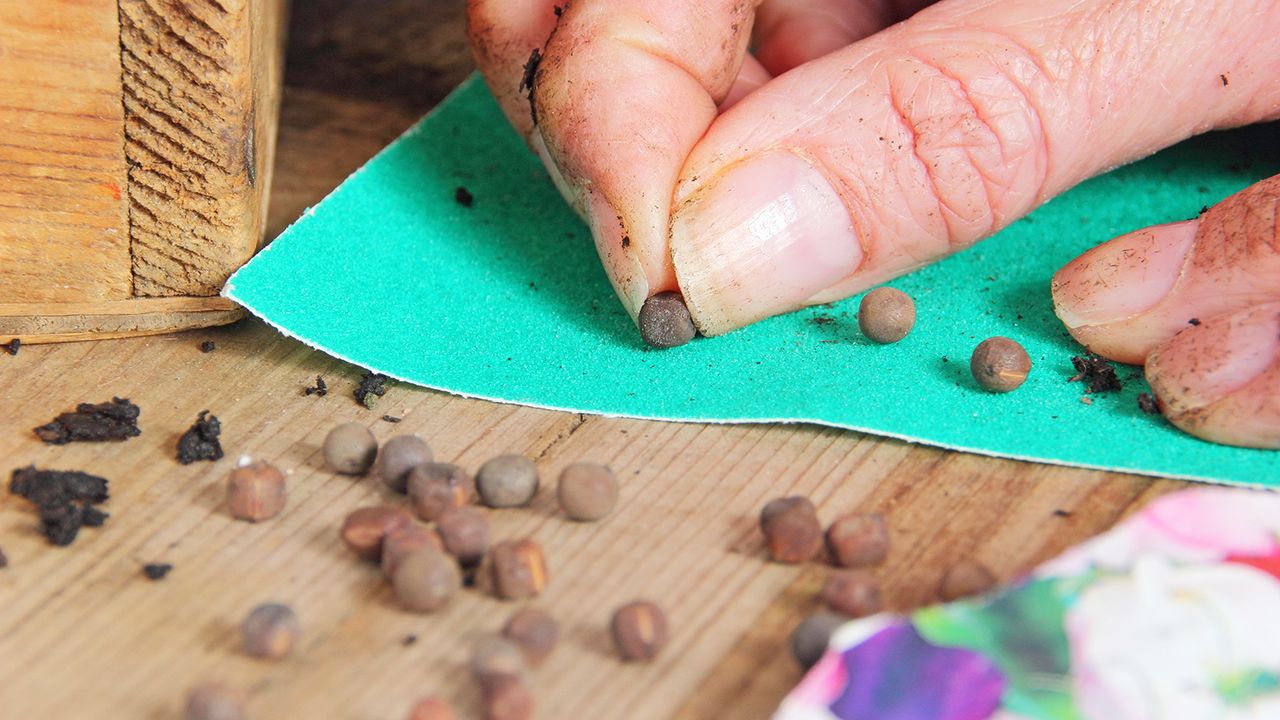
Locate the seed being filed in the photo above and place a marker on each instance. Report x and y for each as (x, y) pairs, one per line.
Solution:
(965, 578)
(886, 315)
(534, 632)
(811, 637)
(350, 449)
(426, 580)
(400, 455)
(665, 321)
(639, 630)
(855, 593)
(507, 481)
(495, 655)
(401, 542)
(214, 701)
(437, 488)
(364, 530)
(518, 569)
(791, 529)
(587, 491)
(999, 364)
(431, 708)
(270, 631)
(858, 540)
(505, 697)
(465, 533)
(256, 492)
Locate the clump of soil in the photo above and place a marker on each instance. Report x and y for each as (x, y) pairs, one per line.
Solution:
(320, 389)
(156, 571)
(66, 500)
(208, 346)
(1147, 404)
(200, 441)
(114, 420)
(463, 197)
(1097, 374)
(12, 346)
(372, 386)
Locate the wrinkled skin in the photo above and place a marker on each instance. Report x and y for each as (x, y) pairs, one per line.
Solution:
(865, 138)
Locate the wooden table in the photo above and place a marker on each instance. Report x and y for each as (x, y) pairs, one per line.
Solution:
(83, 634)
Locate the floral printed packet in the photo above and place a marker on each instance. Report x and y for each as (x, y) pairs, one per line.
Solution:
(1172, 615)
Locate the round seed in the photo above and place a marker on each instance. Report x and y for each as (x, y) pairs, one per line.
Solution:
(518, 569)
(214, 701)
(811, 637)
(437, 488)
(270, 631)
(665, 321)
(858, 540)
(401, 542)
(886, 315)
(587, 491)
(534, 632)
(364, 530)
(494, 655)
(256, 492)
(350, 449)
(855, 593)
(426, 580)
(965, 578)
(791, 529)
(431, 708)
(465, 533)
(507, 481)
(999, 364)
(400, 455)
(506, 697)
(639, 630)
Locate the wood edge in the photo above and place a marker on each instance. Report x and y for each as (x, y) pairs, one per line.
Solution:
(131, 306)
(118, 319)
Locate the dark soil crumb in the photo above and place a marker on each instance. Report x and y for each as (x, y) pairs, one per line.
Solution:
(372, 386)
(114, 420)
(559, 9)
(1097, 374)
(12, 346)
(626, 241)
(391, 419)
(463, 197)
(1061, 513)
(1224, 80)
(409, 640)
(1193, 321)
(64, 498)
(156, 571)
(320, 389)
(208, 346)
(530, 76)
(1147, 404)
(4, 561)
(200, 441)
(822, 320)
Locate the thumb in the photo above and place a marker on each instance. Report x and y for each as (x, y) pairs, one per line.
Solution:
(922, 139)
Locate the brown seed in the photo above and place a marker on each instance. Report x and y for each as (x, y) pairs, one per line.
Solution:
(350, 449)
(999, 364)
(534, 632)
(214, 701)
(639, 630)
(432, 708)
(886, 315)
(270, 631)
(495, 655)
(855, 593)
(425, 580)
(811, 637)
(507, 481)
(665, 321)
(587, 491)
(965, 578)
(505, 697)
(791, 529)
(518, 569)
(256, 492)
(465, 533)
(400, 455)
(437, 488)
(399, 543)
(858, 540)
(364, 530)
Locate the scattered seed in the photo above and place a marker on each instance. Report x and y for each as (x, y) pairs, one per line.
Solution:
(587, 491)
(791, 529)
(507, 481)
(208, 346)
(256, 492)
(534, 632)
(270, 631)
(350, 448)
(113, 420)
(437, 488)
(858, 540)
(1147, 404)
(965, 578)
(200, 441)
(886, 315)
(156, 571)
(401, 542)
(855, 593)
(425, 580)
(639, 630)
(506, 697)
(465, 533)
(811, 637)
(400, 455)
(518, 568)
(320, 389)
(999, 364)
(665, 321)
(214, 701)
(495, 655)
(431, 708)
(372, 386)
(365, 529)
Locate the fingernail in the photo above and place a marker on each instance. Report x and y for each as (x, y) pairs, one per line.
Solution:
(1124, 277)
(1206, 363)
(620, 258)
(759, 240)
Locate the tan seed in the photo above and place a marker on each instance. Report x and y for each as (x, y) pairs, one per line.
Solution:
(964, 579)
(587, 491)
(495, 655)
(350, 449)
(999, 364)
(534, 632)
(364, 530)
(425, 580)
(791, 529)
(270, 631)
(855, 593)
(507, 481)
(432, 708)
(465, 533)
(518, 568)
(400, 455)
(214, 701)
(437, 488)
(256, 492)
(505, 697)
(399, 543)
(858, 540)
(886, 315)
(639, 630)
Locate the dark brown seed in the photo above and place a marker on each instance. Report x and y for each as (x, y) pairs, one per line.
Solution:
(465, 533)
(858, 540)
(791, 530)
(587, 491)
(665, 321)
(855, 593)
(431, 708)
(256, 492)
(399, 543)
(886, 315)
(518, 569)
(350, 449)
(400, 455)
(639, 630)
(810, 638)
(214, 701)
(505, 697)
(507, 481)
(534, 632)
(364, 530)
(270, 631)
(425, 580)
(495, 655)
(999, 364)
(965, 578)
(437, 488)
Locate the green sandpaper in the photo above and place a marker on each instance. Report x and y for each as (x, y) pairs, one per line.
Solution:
(506, 300)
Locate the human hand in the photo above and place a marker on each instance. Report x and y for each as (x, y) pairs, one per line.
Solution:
(705, 170)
